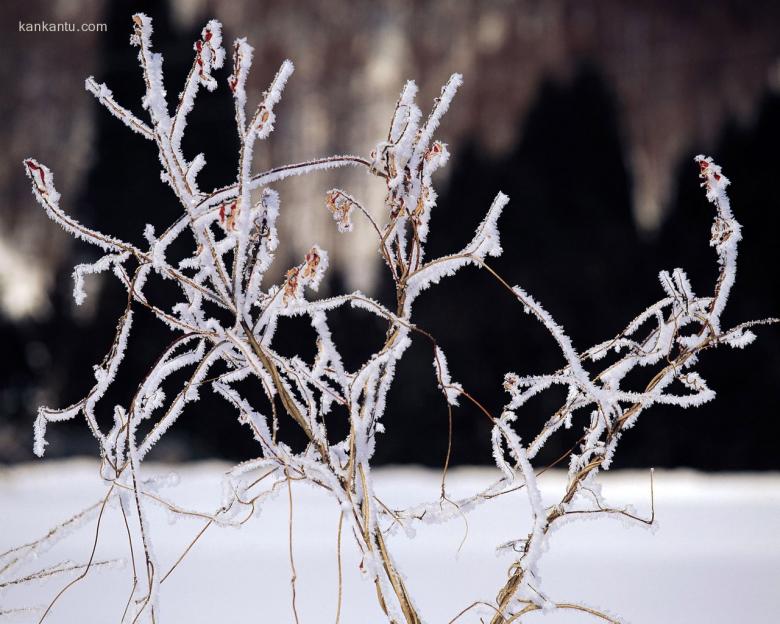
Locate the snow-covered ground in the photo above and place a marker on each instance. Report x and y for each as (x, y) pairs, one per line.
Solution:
(714, 558)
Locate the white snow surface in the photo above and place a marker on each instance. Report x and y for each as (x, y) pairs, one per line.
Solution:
(715, 556)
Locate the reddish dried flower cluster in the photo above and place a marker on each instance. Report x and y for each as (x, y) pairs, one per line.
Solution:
(511, 381)
(33, 168)
(704, 165)
(135, 38)
(436, 149)
(297, 277)
(263, 115)
(237, 59)
(291, 283)
(227, 215)
(199, 45)
(340, 206)
(312, 263)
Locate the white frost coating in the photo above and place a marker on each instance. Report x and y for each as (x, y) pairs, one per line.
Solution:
(208, 208)
(32, 551)
(242, 62)
(739, 339)
(399, 126)
(187, 394)
(486, 241)
(154, 100)
(195, 166)
(80, 270)
(726, 234)
(671, 344)
(432, 123)
(104, 376)
(234, 237)
(236, 243)
(166, 366)
(579, 374)
(328, 356)
(264, 117)
(537, 537)
(106, 98)
(209, 55)
(43, 189)
(257, 422)
(451, 390)
(260, 126)
(677, 287)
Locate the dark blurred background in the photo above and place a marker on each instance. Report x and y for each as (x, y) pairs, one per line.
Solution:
(586, 113)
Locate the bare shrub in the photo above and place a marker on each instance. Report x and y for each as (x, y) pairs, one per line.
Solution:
(224, 327)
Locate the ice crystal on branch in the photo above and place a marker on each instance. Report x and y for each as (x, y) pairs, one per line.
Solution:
(235, 243)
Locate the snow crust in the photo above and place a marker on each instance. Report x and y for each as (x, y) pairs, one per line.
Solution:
(715, 557)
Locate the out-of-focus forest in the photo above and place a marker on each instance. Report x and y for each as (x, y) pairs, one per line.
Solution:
(586, 113)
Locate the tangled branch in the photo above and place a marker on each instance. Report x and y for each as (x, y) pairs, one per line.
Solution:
(236, 241)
